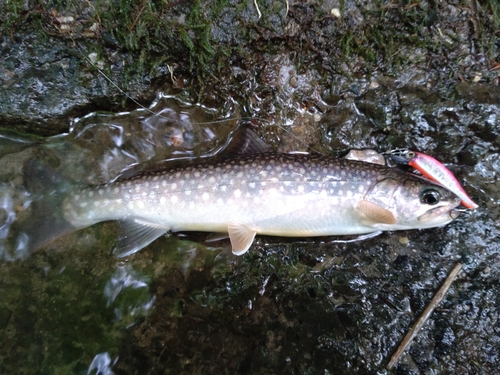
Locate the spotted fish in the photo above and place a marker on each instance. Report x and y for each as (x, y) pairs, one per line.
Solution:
(292, 195)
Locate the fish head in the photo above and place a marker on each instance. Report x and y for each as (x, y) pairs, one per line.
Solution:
(415, 202)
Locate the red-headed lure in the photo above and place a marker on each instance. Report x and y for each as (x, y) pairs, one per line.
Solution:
(433, 170)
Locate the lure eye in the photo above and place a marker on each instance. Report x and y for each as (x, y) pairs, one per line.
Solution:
(430, 196)
(410, 154)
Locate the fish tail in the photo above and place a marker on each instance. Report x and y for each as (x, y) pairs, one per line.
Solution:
(45, 220)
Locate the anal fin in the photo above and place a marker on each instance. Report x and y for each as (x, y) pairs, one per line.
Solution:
(136, 234)
(241, 237)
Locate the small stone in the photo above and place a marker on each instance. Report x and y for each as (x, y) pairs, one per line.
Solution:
(65, 19)
(404, 240)
(335, 12)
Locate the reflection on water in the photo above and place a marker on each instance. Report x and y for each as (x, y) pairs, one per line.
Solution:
(102, 364)
(126, 277)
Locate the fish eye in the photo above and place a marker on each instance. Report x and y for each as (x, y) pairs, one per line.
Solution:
(430, 196)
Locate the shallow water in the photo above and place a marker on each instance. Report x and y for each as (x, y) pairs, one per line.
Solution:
(288, 306)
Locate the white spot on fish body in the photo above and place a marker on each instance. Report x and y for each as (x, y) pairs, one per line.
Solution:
(323, 194)
(146, 184)
(211, 180)
(155, 178)
(237, 193)
(272, 192)
(300, 189)
(83, 204)
(197, 174)
(91, 194)
(141, 204)
(187, 192)
(163, 201)
(137, 188)
(223, 188)
(192, 205)
(174, 199)
(173, 186)
(251, 185)
(116, 190)
(76, 197)
(130, 205)
(96, 204)
(164, 183)
(239, 175)
(205, 196)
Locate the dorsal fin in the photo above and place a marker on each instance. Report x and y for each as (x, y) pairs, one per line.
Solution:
(245, 142)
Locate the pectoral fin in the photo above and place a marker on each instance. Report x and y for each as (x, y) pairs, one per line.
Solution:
(374, 213)
(136, 234)
(241, 237)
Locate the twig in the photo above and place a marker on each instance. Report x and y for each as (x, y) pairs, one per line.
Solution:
(257, 7)
(438, 297)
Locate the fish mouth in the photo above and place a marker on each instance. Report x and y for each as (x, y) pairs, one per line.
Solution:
(444, 213)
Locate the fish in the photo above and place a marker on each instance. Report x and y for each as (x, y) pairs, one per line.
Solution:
(433, 170)
(256, 193)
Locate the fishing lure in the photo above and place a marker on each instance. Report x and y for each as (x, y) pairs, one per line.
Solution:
(433, 170)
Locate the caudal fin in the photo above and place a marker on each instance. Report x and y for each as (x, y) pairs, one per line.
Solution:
(45, 220)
